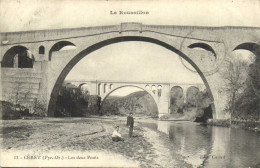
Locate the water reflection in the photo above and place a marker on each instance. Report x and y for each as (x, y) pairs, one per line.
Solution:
(212, 146)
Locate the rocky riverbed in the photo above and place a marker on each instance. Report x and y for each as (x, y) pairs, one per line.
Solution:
(147, 148)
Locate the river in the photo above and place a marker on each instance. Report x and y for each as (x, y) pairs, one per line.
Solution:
(207, 146)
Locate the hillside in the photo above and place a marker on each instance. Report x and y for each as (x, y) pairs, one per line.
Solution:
(141, 103)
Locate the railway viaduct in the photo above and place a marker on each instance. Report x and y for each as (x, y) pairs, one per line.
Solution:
(159, 91)
(34, 64)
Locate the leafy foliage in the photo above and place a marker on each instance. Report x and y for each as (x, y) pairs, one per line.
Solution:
(247, 105)
(141, 103)
(243, 88)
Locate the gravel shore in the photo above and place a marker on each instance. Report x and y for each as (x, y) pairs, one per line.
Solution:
(147, 148)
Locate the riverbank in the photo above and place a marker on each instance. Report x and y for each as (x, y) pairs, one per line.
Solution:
(245, 124)
(147, 148)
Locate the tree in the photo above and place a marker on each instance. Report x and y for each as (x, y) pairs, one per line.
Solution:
(254, 74)
(247, 105)
(235, 76)
(39, 108)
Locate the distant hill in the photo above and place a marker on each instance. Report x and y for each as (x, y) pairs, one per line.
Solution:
(140, 103)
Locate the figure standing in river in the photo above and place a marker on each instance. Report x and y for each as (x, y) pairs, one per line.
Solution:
(130, 124)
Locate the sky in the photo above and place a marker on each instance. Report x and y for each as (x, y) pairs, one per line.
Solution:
(125, 91)
(135, 60)
(23, 15)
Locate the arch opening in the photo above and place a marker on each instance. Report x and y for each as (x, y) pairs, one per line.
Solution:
(111, 86)
(176, 100)
(18, 57)
(153, 87)
(41, 50)
(101, 44)
(203, 46)
(192, 104)
(159, 90)
(129, 98)
(60, 46)
(252, 47)
(99, 89)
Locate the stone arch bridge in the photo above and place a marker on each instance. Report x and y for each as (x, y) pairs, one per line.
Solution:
(34, 64)
(159, 91)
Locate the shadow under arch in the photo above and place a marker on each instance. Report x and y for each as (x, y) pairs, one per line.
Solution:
(23, 60)
(94, 47)
(252, 47)
(174, 89)
(113, 90)
(59, 45)
(203, 46)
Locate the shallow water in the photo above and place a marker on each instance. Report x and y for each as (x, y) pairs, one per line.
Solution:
(206, 146)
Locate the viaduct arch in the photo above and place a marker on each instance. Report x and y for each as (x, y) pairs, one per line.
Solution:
(51, 66)
(154, 96)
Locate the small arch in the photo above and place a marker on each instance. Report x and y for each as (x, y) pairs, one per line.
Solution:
(99, 88)
(147, 87)
(80, 86)
(84, 88)
(41, 50)
(178, 89)
(191, 94)
(18, 57)
(252, 47)
(159, 88)
(105, 88)
(111, 86)
(153, 88)
(203, 46)
(60, 46)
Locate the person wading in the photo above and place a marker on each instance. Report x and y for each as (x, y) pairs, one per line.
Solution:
(130, 124)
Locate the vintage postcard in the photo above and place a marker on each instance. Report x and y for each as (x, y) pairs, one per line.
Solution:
(138, 83)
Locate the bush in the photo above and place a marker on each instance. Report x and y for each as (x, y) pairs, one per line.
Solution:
(39, 109)
(9, 111)
(246, 123)
(94, 105)
(164, 117)
(221, 123)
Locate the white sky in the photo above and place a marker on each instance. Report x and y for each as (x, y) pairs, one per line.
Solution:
(125, 91)
(22, 15)
(133, 61)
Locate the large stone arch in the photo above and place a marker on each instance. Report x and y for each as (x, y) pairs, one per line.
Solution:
(132, 85)
(90, 49)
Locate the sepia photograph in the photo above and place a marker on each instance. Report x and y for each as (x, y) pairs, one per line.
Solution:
(114, 83)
